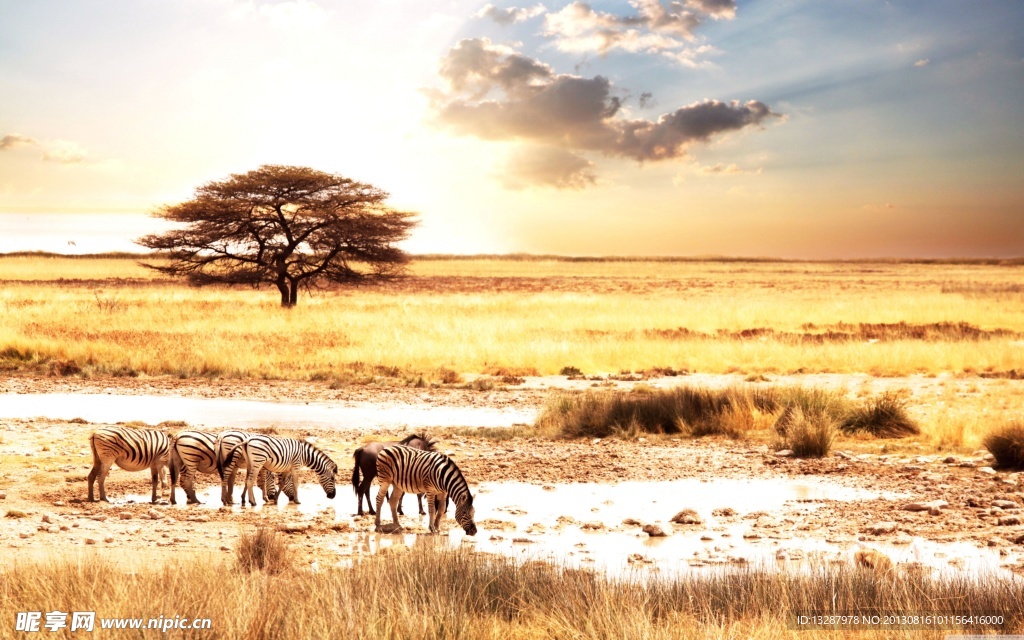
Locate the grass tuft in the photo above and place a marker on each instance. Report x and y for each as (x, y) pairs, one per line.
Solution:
(807, 436)
(883, 417)
(1006, 444)
(263, 550)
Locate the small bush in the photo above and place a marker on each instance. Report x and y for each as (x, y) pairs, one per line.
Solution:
(1007, 445)
(263, 550)
(15, 514)
(693, 411)
(447, 376)
(806, 436)
(884, 417)
(570, 371)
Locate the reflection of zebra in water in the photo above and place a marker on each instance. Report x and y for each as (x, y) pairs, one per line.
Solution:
(429, 473)
(225, 443)
(195, 452)
(283, 456)
(132, 450)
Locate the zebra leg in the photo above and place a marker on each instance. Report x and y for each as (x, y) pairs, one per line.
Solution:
(395, 501)
(290, 485)
(102, 481)
(156, 470)
(382, 492)
(431, 514)
(188, 483)
(251, 473)
(419, 502)
(227, 487)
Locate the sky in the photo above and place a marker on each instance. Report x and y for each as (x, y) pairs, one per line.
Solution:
(752, 128)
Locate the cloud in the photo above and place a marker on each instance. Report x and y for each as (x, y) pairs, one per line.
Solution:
(15, 141)
(511, 15)
(547, 166)
(65, 152)
(654, 29)
(923, 62)
(59, 151)
(496, 93)
(722, 169)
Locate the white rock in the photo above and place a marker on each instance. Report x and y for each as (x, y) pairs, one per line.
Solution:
(880, 528)
(989, 470)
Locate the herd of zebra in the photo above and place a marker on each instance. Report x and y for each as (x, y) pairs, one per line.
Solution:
(410, 466)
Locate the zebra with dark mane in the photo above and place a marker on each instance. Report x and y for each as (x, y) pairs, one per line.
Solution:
(283, 456)
(194, 452)
(223, 446)
(430, 473)
(132, 450)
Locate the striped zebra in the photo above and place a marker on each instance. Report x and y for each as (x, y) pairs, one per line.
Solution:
(132, 450)
(427, 472)
(224, 444)
(195, 452)
(283, 456)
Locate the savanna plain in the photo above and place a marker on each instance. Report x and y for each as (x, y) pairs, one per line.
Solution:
(897, 384)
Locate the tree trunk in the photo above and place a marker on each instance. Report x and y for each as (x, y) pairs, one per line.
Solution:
(287, 296)
(294, 298)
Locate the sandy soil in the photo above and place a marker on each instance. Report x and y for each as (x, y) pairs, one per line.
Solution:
(44, 464)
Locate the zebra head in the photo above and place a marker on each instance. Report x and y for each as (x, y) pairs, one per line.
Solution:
(326, 477)
(464, 516)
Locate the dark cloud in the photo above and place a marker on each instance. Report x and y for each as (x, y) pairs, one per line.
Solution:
(547, 166)
(495, 93)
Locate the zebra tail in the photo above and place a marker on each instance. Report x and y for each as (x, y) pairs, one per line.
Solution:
(355, 469)
(228, 460)
(92, 445)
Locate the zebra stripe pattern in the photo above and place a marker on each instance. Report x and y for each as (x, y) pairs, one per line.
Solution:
(227, 467)
(132, 450)
(192, 452)
(427, 472)
(284, 456)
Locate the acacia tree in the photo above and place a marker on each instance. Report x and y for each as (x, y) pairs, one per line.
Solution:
(287, 226)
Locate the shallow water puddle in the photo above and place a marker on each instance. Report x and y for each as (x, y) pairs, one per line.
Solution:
(242, 414)
(581, 525)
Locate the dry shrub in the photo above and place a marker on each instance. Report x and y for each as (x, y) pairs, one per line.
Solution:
(447, 376)
(263, 550)
(693, 411)
(883, 417)
(1006, 443)
(807, 436)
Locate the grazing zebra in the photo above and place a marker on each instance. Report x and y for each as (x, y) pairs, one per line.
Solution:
(195, 452)
(365, 458)
(429, 473)
(224, 444)
(283, 456)
(132, 450)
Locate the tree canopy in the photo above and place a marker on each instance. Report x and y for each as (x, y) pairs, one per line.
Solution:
(287, 226)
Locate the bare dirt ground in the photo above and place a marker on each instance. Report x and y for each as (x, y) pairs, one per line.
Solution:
(44, 464)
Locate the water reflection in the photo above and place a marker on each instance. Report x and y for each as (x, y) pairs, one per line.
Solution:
(597, 526)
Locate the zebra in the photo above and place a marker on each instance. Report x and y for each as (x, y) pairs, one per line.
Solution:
(283, 456)
(196, 451)
(427, 472)
(132, 450)
(365, 458)
(223, 446)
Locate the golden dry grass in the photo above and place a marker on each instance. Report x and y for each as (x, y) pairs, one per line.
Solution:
(428, 592)
(487, 315)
